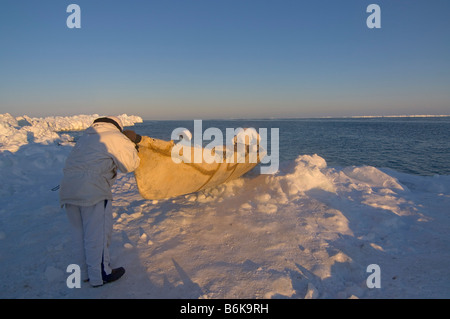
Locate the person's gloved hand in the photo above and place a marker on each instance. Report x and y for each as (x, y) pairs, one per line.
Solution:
(135, 138)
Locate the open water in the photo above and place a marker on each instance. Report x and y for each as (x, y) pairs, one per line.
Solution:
(412, 145)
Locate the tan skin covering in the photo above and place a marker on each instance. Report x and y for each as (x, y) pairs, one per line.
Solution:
(159, 177)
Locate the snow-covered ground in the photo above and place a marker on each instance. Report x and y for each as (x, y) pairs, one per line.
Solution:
(15, 132)
(310, 231)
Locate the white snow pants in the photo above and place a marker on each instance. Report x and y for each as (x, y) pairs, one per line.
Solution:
(92, 228)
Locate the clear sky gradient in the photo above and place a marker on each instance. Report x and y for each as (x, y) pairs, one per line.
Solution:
(186, 59)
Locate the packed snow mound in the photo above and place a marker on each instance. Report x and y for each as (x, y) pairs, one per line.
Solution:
(304, 174)
(18, 131)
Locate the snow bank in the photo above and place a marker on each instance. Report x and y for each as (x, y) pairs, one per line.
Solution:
(310, 231)
(15, 132)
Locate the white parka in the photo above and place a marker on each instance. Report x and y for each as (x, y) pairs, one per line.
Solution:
(91, 168)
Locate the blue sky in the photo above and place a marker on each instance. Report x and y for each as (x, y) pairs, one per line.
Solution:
(186, 59)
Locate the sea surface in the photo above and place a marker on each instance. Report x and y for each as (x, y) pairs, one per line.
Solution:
(414, 145)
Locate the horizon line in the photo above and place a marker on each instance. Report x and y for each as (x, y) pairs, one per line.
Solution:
(251, 118)
(308, 117)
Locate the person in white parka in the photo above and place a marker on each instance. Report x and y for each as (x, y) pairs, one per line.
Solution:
(89, 173)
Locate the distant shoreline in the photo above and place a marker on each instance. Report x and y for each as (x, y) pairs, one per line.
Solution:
(307, 118)
(378, 116)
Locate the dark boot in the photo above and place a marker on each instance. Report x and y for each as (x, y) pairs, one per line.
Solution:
(114, 275)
